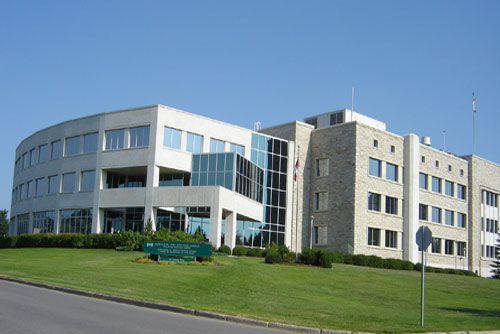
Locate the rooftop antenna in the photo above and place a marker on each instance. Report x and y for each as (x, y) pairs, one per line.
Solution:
(352, 102)
(257, 126)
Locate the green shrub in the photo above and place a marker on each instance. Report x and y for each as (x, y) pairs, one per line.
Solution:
(407, 265)
(225, 249)
(338, 257)
(239, 251)
(308, 256)
(325, 259)
(393, 264)
(349, 258)
(375, 261)
(286, 255)
(255, 252)
(273, 256)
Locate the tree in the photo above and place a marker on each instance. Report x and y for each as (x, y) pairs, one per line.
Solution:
(4, 224)
(496, 263)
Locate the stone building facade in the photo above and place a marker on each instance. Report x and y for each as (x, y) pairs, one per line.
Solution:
(358, 188)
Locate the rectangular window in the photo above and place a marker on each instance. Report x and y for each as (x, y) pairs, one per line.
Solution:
(53, 184)
(436, 215)
(172, 138)
(237, 148)
(461, 191)
(90, 142)
(75, 221)
(423, 181)
(422, 212)
(461, 248)
(373, 236)
(115, 139)
(312, 121)
(448, 247)
(32, 157)
(374, 167)
(448, 217)
(139, 136)
(315, 235)
(72, 146)
(436, 245)
(448, 188)
(26, 162)
(391, 239)
(436, 184)
(29, 189)
(322, 167)
(56, 150)
(68, 182)
(43, 222)
(21, 192)
(216, 145)
(42, 153)
(391, 172)
(391, 205)
(337, 118)
(39, 187)
(88, 180)
(320, 201)
(373, 202)
(194, 143)
(461, 220)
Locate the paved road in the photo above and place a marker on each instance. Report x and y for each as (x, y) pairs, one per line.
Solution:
(31, 310)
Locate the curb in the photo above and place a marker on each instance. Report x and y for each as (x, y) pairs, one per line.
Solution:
(206, 314)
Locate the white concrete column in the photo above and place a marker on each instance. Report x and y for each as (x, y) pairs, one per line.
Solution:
(411, 196)
(230, 235)
(97, 220)
(215, 226)
(57, 217)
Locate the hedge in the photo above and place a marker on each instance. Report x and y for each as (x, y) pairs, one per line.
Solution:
(126, 240)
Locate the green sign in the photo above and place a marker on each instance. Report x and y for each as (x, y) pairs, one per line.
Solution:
(177, 248)
(176, 259)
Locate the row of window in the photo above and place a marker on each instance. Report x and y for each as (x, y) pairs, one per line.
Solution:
(450, 217)
(391, 238)
(375, 169)
(70, 221)
(491, 225)
(489, 198)
(375, 144)
(436, 164)
(53, 185)
(72, 146)
(450, 188)
(448, 247)
(194, 142)
(375, 203)
(490, 251)
(137, 137)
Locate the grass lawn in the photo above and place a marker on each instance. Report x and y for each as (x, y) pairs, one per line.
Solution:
(345, 297)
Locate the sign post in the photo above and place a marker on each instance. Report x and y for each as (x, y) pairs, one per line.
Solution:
(424, 239)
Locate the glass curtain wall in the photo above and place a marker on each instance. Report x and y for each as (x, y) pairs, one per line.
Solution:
(75, 221)
(271, 155)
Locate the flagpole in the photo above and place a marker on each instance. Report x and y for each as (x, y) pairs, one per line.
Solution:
(473, 125)
(297, 209)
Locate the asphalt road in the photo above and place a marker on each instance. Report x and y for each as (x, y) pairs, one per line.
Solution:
(30, 310)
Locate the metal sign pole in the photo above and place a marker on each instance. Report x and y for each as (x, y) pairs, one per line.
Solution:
(423, 289)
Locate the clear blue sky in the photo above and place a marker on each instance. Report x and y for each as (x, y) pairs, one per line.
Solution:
(413, 64)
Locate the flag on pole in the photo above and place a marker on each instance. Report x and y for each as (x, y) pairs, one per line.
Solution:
(473, 103)
(296, 171)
